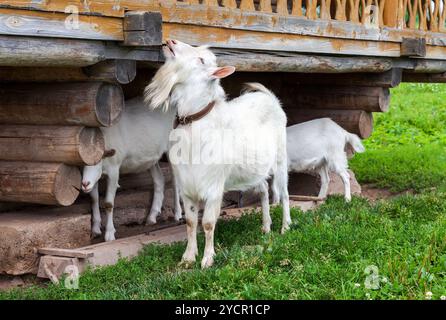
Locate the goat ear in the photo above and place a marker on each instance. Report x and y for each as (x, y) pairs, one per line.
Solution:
(109, 153)
(223, 72)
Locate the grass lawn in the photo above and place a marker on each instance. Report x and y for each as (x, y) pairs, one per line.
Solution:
(394, 249)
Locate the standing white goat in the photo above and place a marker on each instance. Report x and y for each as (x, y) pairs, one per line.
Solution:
(319, 146)
(226, 145)
(139, 139)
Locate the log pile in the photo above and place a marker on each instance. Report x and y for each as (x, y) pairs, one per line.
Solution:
(48, 130)
(348, 99)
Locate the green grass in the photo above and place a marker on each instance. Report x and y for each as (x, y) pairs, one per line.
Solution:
(324, 256)
(329, 252)
(408, 147)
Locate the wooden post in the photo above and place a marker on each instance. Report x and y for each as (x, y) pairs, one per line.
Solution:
(90, 104)
(37, 182)
(354, 121)
(70, 145)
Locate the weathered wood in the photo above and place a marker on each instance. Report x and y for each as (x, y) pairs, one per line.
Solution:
(70, 253)
(37, 182)
(245, 60)
(60, 25)
(70, 144)
(371, 99)
(90, 104)
(388, 79)
(43, 52)
(413, 47)
(142, 28)
(354, 121)
(424, 77)
(122, 71)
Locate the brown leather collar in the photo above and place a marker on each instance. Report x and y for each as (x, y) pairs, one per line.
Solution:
(194, 117)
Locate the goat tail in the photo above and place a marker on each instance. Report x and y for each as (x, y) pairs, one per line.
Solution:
(257, 87)
(355, 142)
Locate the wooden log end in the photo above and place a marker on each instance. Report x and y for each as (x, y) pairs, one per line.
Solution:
(365, 125)
(110, 104)
(67, 185)
(91, 145)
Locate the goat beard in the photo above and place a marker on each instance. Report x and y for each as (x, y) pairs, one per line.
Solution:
(157, 93)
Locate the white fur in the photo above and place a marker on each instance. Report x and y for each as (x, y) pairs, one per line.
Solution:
(254, 116)
(319, 146)
(139, 138)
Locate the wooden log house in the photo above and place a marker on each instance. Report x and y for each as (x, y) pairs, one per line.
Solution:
(66, 67)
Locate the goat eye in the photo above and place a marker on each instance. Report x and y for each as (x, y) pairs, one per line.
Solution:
(201, 60)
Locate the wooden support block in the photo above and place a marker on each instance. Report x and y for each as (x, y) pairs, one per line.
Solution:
(122, 71)
(354, 121)
(69, 144)
(39, 182)
(23, 232)
(142, 28)
(53, 267)
(413, 47)
(90, 104)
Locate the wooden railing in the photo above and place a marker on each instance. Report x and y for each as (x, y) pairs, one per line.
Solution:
(426, 15)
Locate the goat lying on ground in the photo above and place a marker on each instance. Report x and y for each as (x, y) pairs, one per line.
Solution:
(139, 139)
(210, 164)
(319, 146)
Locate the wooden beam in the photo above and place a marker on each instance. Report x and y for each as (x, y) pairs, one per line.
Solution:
(70, 145)
(82, 104)
(60, 25)
(142, 28)
(354, 121)
(70, 253)
(39, 182)
(22, 51)
(424, 77)
(370, 99)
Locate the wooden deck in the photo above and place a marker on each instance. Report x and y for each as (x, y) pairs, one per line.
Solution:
(281, 29)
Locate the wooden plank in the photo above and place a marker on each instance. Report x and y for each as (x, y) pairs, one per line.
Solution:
(69, 253)
(37, 182)
(60, 25)
(68, 144)
(79, 103)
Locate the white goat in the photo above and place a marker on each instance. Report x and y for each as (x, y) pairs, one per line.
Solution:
(319, 146)
(237, 145)
(139, 139)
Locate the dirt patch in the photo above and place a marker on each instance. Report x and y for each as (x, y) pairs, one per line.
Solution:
(373, 193)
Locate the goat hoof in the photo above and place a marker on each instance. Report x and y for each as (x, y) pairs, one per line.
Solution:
(150, 220)
(285, 229)
(96, 232)
(348, 200)
(109, 236)
(266, 229)
(207, 262)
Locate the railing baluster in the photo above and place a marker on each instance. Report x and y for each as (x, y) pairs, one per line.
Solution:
(341, 10)
(442, 22)
(390, 15)
(353, 14)
(247, 5)
(325, 9)
(231, 4)
(282, 7)
(381, 5)
(210, 3)
(265, 6)
(297, 8)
